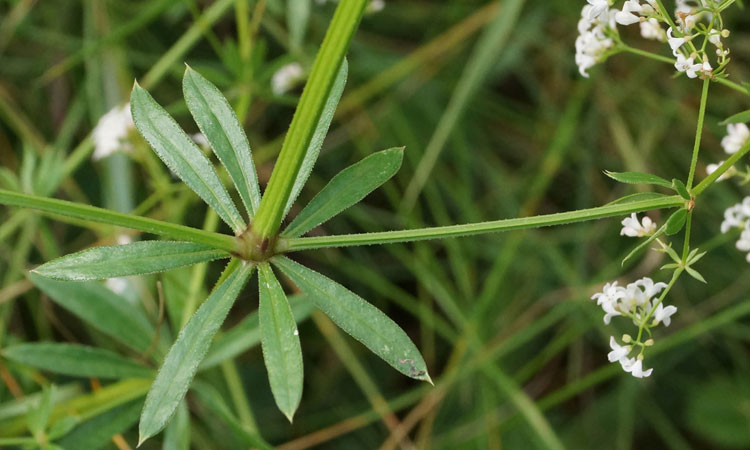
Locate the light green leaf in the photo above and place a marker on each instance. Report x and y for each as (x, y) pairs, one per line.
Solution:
(360, 319)
(319, 135)
(676, 221)
(742, 117)
(76, 360)
(132, 259)
(681, 189)
(182, 156)
(637, 197)
(282, 352)
(638, 178)
(297, 16)
(182, 361)
(695, 274)
(246, 334)
(63, 427)
(347, 188)
(217, 121)
(177, 434)
(101, 308)
(38, 415)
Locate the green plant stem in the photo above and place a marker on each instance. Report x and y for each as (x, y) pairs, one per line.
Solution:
(327, 63)
(100, 215)
(698, 133)
(732, 85)
(646, 54)
(388, 237)
(726, 165)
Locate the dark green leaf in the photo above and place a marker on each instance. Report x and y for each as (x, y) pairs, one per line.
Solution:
(101, 309)
(676, 221)
(347, 188)
(321, 129)
(679, 186)
(222, 129)
(132, 259)
(97, 432)
(76, 360)
(183, 358)
(638, 178)
(742, 117)
(360, 319)
(182, 156)
(282, 353)
(246, 334)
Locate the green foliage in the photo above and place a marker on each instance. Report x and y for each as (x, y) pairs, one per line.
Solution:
(638, 178)
(741, 117)
(137, 258)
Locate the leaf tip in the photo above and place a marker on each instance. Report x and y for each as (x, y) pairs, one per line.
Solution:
(289, 415)
(428, 379)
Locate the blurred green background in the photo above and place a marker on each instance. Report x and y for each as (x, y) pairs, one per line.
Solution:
(503, 321)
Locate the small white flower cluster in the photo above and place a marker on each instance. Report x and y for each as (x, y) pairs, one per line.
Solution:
(599, 38)
(633, 228)
(738, 216)
(286, 78)
(111, 132)
(638, 302)
(738, 135)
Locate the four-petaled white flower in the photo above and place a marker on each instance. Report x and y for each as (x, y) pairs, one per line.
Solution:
(626, 16)
(738, 134)
(635, 367)
(111, 132)
(632, 228)
(663, 314)
(687, 65)
(675, 42)
(618, 351)
(599, 10)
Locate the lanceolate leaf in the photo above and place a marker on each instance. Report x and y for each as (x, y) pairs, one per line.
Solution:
(638, 178)
(182, 361)
(637, 197)
(97, 432)
(360, 319)
(220, 125)
(182, 156)
(101, 308)
(321, 129)
(347, 188)
(132, 259)
(246, 334)
(280, 343)
(742, 117)
(76, 360)
(676, 221)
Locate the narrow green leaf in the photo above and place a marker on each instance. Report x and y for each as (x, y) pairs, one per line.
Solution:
(695, 274)
(63, 427)
(182, 361)
(282, 352)
(177, 433)
(76, 360)
(97, 432)
(676, 221)
(742, 117)
(182, 156)
(211, 398)
(132, 259)
(101, 308)
(319, 135)
(679, 186)
(347, 188)
(297, 16)
(637, 197)
(246, 334)
(218, 122)
(360, 319)
(638, 178)
(38, 416)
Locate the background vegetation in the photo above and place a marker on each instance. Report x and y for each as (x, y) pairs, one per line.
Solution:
(503, 321)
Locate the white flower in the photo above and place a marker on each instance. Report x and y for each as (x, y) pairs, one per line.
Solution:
(663, 314)
(714, 37)
(650, 29)
(635, 367)
(610, 311)
(631, 227)
(650, 288)
(626, 16)
(737, 136)
(675, 42)
(618, 351)
(706, 69)
(117, 285)
(609, 294)
(687, 65)
(599, 10)
(743, 244)
(111, 132)
(375, 6)
(734, 217)
(597, 20)
(286, 78)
